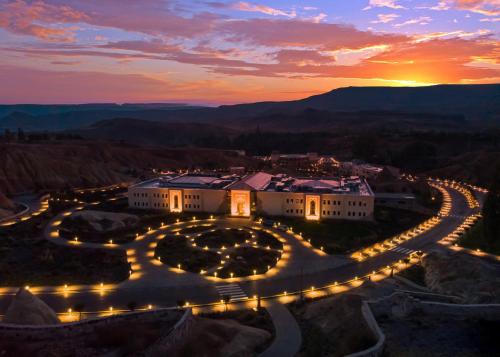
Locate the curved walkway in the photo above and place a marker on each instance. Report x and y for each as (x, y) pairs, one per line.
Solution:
(288, 338)
(303, 268)
(34, 206)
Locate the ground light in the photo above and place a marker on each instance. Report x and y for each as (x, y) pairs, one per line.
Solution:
(336, 283)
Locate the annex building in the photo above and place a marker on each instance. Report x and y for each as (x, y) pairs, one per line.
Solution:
(258, 193)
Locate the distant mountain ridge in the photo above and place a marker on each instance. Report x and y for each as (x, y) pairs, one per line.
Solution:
(438, 99)
(474, 103)
(46, 109)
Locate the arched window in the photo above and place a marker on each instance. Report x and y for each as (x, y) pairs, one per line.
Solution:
(312, 208)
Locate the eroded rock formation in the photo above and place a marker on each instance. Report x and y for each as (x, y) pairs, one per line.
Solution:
(27, 309)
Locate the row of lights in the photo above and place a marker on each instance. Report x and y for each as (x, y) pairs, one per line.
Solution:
(44, 206)
(223, 248)
(312, 292)
(453, 237)
(379, 248)
(472, 202)
(390, 243)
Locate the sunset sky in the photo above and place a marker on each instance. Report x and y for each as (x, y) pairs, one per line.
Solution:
(217, 52)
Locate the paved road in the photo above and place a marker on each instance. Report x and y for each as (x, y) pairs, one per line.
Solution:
(161, 286)
(288, 337)
(33, 205)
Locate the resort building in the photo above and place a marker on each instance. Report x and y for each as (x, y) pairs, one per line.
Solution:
(360, 169)
(259, 193)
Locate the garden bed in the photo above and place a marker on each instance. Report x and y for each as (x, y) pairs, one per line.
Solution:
(175, 250)
(345, 236)
(43, 263)
(86, 231)
(71, 228)
(223, 238)
(246, 261)
(178, 251)
(196, 228)
(265, 239)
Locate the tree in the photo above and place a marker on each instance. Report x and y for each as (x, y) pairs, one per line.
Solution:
(79, 308)
(491, 213)
(227, 300)
(7, 136)
(181, 303)
(132, 305)
(20, 135)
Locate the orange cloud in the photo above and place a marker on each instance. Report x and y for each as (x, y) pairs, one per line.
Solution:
(227, 52)
(484, 7)
(38, 19)
(288, 33)
(245, 6)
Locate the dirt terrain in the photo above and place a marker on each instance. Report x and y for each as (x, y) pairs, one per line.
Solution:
(472, 279)
(59, 165)
(7, 207)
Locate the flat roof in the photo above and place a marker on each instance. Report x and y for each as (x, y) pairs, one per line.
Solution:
(332, 185)
(262, 181)
(201, 181)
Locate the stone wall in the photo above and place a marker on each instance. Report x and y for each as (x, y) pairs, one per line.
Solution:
(377, 349)
(479, 311)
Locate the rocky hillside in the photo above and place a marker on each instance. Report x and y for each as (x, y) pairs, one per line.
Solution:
(7, 207)
(55, 165)
(5, 203)
(472, 279)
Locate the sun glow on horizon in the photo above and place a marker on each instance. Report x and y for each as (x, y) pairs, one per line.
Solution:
(76, 51)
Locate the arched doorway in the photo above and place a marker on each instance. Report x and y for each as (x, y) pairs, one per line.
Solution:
(312, 207)
(175, 200)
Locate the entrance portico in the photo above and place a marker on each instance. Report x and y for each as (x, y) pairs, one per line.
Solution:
(240, 203)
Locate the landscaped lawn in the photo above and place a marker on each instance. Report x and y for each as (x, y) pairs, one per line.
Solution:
(344, 236)
(71, 227)
(265, 239)
(174, 250)
(474, 239)
(223, 237)
(243, 262)
(27, 259)
(196, 229)
(335, 236)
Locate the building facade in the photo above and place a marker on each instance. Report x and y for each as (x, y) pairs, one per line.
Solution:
(260, 194)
